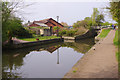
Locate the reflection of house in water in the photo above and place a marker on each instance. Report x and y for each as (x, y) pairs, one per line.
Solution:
(50, 49)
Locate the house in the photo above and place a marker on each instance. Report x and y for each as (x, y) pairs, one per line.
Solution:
(46, 26)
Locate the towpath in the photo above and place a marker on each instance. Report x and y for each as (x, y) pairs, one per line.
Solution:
(98, 63)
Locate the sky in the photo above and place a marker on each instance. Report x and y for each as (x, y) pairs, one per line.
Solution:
(69, 12)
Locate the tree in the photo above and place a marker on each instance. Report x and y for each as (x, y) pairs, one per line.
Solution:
(100, 19)
(10, 23)
(115, 10)
(86, 23)
(82, 23)
(89, 21)
(94, 16)
(97, 18)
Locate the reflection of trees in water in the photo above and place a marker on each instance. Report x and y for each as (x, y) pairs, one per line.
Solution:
(12, 60)
(10, 75)
(81, 46)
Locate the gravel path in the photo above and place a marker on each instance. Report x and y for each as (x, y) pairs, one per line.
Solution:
(98, 63)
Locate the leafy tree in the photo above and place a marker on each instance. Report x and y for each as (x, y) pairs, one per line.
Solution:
(10, 23)
(82, 23)
(100, 19)
(115, 10)
(86, 23)
(89, 21)
(94, 16)
(97, 18)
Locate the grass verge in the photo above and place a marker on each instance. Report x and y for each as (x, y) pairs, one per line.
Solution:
(115, 41)
(117, 44)
(104, 33)
(40, 38)
(116, 38)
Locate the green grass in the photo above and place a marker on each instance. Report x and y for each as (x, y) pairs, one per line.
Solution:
(40, 38)
(104, 33)
(117, 44)
(116, 38)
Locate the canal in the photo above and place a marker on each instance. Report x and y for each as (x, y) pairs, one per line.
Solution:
(48, 61)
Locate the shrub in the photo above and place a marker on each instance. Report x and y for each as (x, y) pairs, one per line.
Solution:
(22, 33)
(56, 28)
(61, 33)
(32, 32)
(71, 32)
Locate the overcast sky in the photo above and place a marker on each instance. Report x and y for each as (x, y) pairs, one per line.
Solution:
(68, 12)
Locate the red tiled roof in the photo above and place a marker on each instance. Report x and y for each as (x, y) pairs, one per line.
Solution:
(43, 21)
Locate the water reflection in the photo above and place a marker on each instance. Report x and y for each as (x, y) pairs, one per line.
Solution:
(57, 56)
(48, 61)
(81, 46)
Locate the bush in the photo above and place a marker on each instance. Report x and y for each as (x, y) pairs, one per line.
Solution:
(71, 32)
(61, 33)
(22, 33)
(32, 32)
(56, 28)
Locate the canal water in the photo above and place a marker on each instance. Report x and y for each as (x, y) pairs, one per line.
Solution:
(48, 61)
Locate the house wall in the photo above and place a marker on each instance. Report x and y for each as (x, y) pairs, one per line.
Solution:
(42, 31)
(47, 32)
(38, 32)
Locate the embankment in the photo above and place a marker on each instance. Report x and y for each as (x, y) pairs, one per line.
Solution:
(89, 34)
(33, 43)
